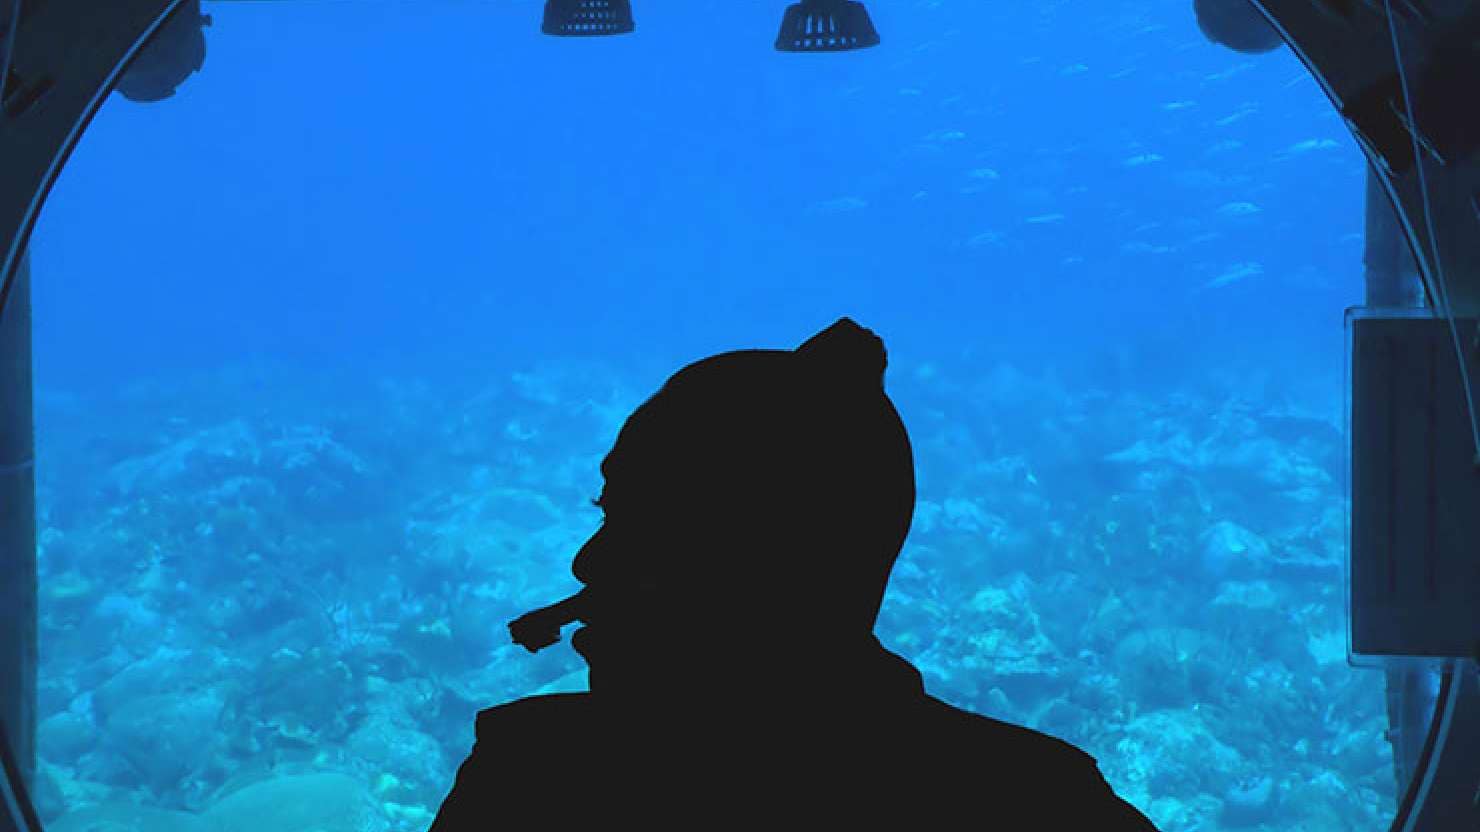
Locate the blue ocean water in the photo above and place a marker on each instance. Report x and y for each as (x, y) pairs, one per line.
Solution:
(329, 346)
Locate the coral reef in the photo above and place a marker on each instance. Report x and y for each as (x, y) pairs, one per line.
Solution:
(285, 619)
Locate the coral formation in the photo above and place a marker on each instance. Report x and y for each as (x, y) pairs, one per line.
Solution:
(253, 625)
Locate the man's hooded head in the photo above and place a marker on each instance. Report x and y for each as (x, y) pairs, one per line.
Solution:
(758, 491)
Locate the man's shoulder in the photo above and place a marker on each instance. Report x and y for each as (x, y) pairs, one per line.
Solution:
(966, 729)
(1051, 777)
(553, 713)
(543, 714)
(945, 729)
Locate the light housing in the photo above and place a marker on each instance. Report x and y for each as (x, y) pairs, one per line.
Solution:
(175, 51)
(826, 26)
(587, 18)
(1237, 25)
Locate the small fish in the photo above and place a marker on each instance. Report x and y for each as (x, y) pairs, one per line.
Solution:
(1074, 69)
(1236, 273)
(1239, 209)
(1173, 106)
(1043, 219)
(1142, 159)
(1145, 248)
(1311, 144)
(983, 173)
(987, 238)
(1236, 117)
(1230, 72)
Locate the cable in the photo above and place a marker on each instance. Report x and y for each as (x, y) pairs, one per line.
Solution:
(1444, 308)
(18, 802)
(7, 51)
(7, 48)
(1411, 800)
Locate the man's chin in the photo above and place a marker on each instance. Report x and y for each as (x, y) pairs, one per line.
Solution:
(613, 659)
(594, 646)
(580, 641)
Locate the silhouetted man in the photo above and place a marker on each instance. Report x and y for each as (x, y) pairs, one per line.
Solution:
(754, 509)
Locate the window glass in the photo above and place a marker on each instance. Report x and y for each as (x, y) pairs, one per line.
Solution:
(331, 342)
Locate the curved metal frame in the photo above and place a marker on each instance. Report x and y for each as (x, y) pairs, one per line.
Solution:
(65, 57)
(71, 55)
(1346, 46)
(73, 51)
